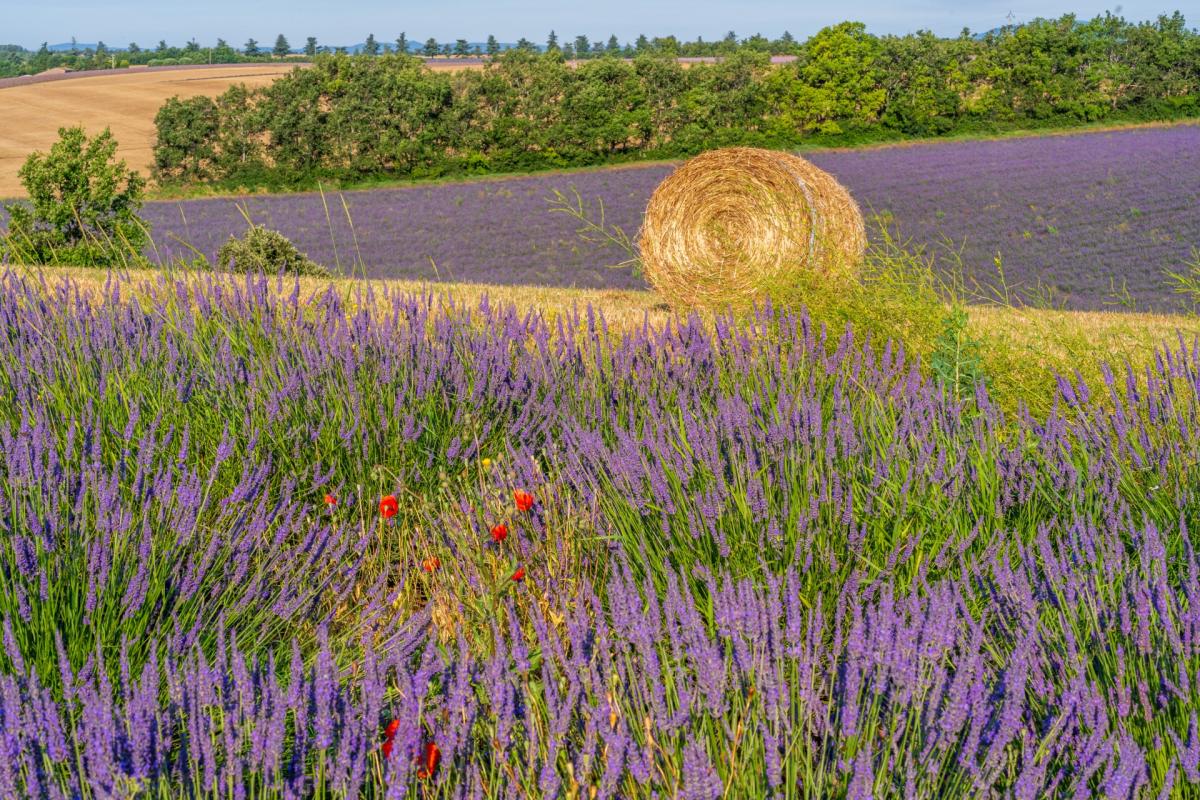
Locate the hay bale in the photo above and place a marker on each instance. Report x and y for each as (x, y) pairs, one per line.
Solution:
(730, 222)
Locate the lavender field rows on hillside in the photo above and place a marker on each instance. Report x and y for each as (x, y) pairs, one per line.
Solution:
(1071, 217)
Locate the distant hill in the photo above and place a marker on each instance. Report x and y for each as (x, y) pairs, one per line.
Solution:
(66, 47)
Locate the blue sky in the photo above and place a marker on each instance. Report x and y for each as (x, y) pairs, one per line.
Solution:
(348, 21)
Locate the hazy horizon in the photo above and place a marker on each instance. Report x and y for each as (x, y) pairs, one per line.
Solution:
(146, 22)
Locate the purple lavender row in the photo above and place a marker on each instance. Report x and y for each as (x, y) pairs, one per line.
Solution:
(1073, 218)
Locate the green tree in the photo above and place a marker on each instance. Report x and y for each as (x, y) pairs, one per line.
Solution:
(310, 46)
(431, 48)
(371, 47)
(613, 47)
(462, 47)
(83, 205)
(133, 49)
(223, 53)
(251, 48)
(402, 43)
(187, 132)
(836, 83)
(552, 41)
(493, 47)
(282, 48)
(665, 45)
(583, 47)
(924, 79)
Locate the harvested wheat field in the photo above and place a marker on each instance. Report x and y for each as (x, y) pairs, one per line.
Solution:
(125, 101)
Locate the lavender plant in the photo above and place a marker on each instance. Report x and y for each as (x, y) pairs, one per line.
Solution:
(257, 542)
(1124, 205)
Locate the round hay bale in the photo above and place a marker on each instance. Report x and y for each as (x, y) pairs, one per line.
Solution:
(731, 222)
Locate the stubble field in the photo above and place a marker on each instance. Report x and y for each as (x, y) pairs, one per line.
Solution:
(125, 101)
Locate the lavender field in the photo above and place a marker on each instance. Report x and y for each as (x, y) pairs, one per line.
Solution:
(1072, 217)
(282, 544)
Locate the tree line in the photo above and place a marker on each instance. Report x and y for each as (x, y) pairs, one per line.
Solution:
(16, 60)
(359, 118)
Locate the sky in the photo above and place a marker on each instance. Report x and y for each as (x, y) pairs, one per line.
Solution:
(117, 22)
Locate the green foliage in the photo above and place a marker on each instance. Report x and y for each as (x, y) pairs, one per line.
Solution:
(366, 117)
(262, 250)
(836, 82)
(82, 208)
(956, 360)
(187, 141)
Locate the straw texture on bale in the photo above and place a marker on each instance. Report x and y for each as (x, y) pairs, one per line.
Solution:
(730, 222)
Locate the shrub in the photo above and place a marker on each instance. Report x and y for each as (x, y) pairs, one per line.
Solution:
(82, 207)
(263, 250)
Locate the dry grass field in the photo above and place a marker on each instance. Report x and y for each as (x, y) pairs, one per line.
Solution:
(125, 101)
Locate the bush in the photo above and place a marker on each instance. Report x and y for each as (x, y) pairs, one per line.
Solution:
(263, 250)
(82, 207)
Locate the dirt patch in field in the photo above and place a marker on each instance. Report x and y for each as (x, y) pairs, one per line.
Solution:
(125, 101)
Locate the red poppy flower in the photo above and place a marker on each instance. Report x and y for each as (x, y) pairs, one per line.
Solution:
(330, 500)
(524, 500)
(429, 761)
(519, 575)
(390, 737)
(499, 533)
(431, 564)
(389, 506)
